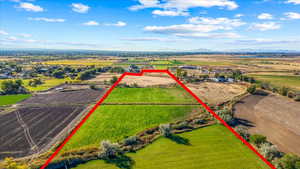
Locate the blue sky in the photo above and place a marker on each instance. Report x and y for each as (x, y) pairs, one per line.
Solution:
(152, 25)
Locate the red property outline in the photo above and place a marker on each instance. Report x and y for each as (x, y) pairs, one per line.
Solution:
(183, 86)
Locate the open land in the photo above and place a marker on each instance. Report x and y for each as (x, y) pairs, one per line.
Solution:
(35, 122)
(275, 117)
(210, 148)
(216, 93)
(12, 99)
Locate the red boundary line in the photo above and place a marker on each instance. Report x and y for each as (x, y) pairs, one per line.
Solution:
(183, 86)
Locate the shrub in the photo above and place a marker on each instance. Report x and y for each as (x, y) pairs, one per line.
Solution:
(269, 151)
(258, 139)
(297, 98)
(109, 150)
(131, 140)
(113, 80)
(251, 89)
(243, 131)
(93, 87)
(289, 161)
(283, 91)
(165, 130)
(291, 94)
(181, 125)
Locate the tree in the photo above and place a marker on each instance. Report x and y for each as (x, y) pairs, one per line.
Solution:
(59, 74)
(283, 90)
(251, 89)
(258, 139)
(13, 87)
(289, 161)
(269, 151)
(242, 131)
(165, 130)
(109, 150)
(113, 80)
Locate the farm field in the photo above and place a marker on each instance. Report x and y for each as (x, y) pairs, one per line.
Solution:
(81, 62)
(12, 99)
(114, 122)
(216, 93)
(33, 125)
(48, 83)
(149, 80)
(150, 95)
(212, 147)
(274, 116)
(280, 80)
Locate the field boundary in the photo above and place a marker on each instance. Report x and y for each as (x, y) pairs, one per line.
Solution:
(182, 85)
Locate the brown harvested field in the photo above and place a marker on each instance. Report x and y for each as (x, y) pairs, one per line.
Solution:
(104, 77)
(216, 93)
(36, 122)
(274, 116)
(146, 80)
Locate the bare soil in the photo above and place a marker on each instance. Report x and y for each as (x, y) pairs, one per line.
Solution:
(216, 93)
(149, 80)
(276, 117)
(32, 125)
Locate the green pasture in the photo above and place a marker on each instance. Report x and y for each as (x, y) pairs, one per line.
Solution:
(6, 100)
(211, 147)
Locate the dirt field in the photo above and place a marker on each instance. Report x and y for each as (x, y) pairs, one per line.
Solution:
(216, 93)
(150, 79)
(273, 116)
(34, 123)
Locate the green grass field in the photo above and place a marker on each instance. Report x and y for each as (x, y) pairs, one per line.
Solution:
(280, 80)
(111, 122)
(211, 147)
(149, 95)
(12, 99)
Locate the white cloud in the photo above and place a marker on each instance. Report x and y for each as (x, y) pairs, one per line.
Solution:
(226, 23)
(47, 19)
(181, 7)
(265, 16)
(296, 2)
(80, 8)
(118, 24)
(225, 35)
(238, 15)
(263, 41)
(265, 26)
(12, 38)
(200, 27)
(144, 39)
(292, 15)
(185, 4)
(25, 35)
(170, 13)
(91, 23)
(30, 7)
(2, 32)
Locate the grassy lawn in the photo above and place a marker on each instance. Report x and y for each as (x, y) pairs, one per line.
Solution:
(149, 95)
(111, 122)
(12, 99)
(280, 80)
(212, 147)
(48, 83)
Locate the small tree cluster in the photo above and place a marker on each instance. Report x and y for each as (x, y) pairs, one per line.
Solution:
(258, 139)
(269, 151)
(131, 140)
(242, 131)
(109, 150)
(13, 87)
(165, 130)
(251, 89)
(288, 161)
